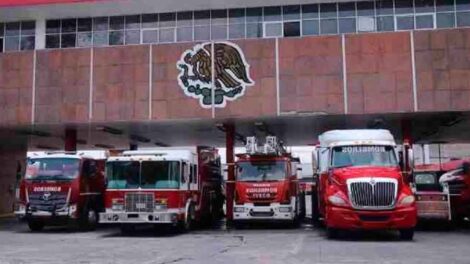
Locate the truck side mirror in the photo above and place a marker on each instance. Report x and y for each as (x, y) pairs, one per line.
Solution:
(466, 168)
(411, 159)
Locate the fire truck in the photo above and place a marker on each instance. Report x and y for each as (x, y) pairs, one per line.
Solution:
(175, 187)
(61, 188)
(266, 186)
(442, 191)
(360, 184)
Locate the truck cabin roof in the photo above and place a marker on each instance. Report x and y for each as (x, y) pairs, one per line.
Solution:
(62, 155)
(156, 155)
(245, 157)
(350, 137)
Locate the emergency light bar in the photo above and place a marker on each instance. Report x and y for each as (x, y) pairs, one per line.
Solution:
(271, 146)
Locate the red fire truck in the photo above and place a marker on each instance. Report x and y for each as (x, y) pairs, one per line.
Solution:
(442, 191)
(360, 184)
(61, 188)
(266, 186)
(177, 187)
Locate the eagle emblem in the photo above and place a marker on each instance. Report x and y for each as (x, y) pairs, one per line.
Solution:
(232, 73)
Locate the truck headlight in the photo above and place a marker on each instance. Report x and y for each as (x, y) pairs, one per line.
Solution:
(285, 209)
(407, 200)
(117, 207)
(336, 200)
(72, 209)
(160, 207)
(239, 209)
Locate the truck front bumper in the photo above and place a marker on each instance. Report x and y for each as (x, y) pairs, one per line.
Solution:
(273, 212)
(139, 217)
(68, 212)
(348, 218)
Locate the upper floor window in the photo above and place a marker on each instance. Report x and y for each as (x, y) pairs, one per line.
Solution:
(15, 36)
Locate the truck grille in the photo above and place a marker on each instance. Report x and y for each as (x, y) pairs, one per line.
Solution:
(47, 201)
(139, 202)
(372, 194)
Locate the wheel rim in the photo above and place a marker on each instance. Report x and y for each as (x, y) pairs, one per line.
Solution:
(92, 217)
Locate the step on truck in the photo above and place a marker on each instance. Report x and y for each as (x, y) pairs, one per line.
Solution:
(266, 185)
(360, 184)
(174, 187)
(61, 188)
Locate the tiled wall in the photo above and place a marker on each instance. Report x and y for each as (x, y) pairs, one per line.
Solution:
(140, 82)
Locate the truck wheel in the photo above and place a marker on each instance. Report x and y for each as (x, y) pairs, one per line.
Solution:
(332, 233)
(189, 218)
(407, 234)
(35, 225)
(315, 211)
(88, 219)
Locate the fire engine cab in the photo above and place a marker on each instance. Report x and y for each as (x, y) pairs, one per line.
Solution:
(266, 186)
(360, 184)
(177, 187)
(61, 188)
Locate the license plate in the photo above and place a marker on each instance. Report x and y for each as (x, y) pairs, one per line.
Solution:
(140, 206)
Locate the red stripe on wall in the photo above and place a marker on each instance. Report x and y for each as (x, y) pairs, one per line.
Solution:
(13, 3)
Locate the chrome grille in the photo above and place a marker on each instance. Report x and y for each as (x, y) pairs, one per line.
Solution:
(372, 193)
(47, 201)
(139, 202)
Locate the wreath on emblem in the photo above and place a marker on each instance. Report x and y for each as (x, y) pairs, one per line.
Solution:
(231, 73)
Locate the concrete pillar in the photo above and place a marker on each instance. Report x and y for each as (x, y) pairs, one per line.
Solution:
(12, 164)
(70, 139)
(230, 185)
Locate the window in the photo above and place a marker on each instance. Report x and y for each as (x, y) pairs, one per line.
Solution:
(310, 27)
(424, 21)
(310, 22)
(403, 6)
(219, 24)
(329, 26)
(150, 28)
(384, 7)
(424, 6)
(463, 19)
(202, 26)
(184, 29)
(385, 23)
(445, 20)
(404, 22)
(254, 26)
(167, 28)
(347, 17)
(16, 36)
(291, 18)
(237, 24)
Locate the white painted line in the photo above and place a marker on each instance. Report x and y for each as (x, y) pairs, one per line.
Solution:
(90, 103)
(150, 80)
(413, 69)
(345, 75)
(33, 99)
(278, 98)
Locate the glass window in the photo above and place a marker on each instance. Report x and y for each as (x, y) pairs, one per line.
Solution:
(272, 13)
(166, 35)
(405, 22)
(254, 15)
(424, 6)
(384, 7)
(27, 43)
(445, 20)
(366, 24)
(236, 16)
(84, 24)
(347, 25)
(116, 23)
(116, 38)
(132, 37)
(149, 20)
(367, 155)
(385, 23)
(68, 40)
(84, 39)
(310, 27)
(12, 29)
(424, 21)
(309, 11)
(52, 41)
(167, 20)
(403, 6)
(184, 19)
(463, 5)
(12, 43)
(2, 30)
(202, 33)
(273, 30)
(123, 174)
(28, 28)
(328, 26)
(160, 175)
(261, 171)
(52, 26)
(1, 45)
(236, 31)
(100, 23)
(463, 19)
(254, 30)
(184, 34)
(100, 38)
(53, 169)
(328, 10)
(150, 36)
(291, 12)
(219, 17)
(69, 25)
(202, 17)
(365, 9)
(347, 9)
(133, 22)
(445, 5)
(291, 29)
(219, 32)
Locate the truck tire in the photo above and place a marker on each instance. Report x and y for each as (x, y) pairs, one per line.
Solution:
(88, 219)
(407, 234)
(315, 211)
(35, 225)
(332, 233)
(189, 218)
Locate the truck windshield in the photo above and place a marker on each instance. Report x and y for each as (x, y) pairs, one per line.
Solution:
(52, 169)
(146, 174)
(261, 171)
(367, 155)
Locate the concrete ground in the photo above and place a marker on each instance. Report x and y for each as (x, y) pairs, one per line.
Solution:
(251, 245)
